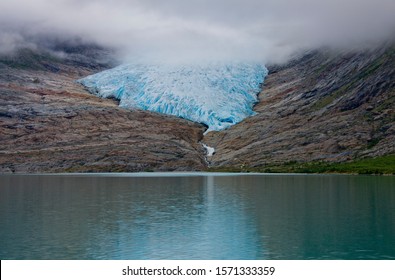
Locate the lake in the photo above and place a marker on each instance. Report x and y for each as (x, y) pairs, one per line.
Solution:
(197, 216)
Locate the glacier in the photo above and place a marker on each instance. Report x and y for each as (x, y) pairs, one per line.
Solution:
(217, 95)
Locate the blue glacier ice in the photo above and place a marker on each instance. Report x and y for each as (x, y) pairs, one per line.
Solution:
(218, 95)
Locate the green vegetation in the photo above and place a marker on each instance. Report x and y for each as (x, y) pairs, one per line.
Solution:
(380, 165)
(325, 101)
(373, 67)
(364, 74)
(373, 142)
(321, 69)
(29, 60)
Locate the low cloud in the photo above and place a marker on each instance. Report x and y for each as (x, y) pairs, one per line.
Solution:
(196, 30)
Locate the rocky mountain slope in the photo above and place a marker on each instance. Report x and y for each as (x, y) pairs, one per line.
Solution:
(50, 123)
(324, 106)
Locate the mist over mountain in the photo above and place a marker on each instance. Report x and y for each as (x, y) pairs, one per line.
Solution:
(328, 97)
(196, 30)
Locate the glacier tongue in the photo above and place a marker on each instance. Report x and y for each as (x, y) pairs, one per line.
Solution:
(217, 95)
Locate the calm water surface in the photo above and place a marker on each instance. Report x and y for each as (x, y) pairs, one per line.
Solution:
(199, 216)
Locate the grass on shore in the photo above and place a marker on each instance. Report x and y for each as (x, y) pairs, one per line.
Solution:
(384, 165)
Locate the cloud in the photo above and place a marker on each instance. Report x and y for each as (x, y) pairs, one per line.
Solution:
(178, 30)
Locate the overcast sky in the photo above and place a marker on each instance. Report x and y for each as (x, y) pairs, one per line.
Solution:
(184, 30)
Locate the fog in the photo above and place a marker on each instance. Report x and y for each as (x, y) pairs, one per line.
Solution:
(179, 30)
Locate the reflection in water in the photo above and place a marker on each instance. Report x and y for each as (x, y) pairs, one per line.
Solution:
(323, 217)
(197, 217)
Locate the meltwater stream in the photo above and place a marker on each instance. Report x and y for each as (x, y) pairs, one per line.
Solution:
(217, 95)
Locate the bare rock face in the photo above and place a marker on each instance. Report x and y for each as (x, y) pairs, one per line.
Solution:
(324, 106)
(49, 123)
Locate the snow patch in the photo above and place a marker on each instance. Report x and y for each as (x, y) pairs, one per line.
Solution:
(209, 150)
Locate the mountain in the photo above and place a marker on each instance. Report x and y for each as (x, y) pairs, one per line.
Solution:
(324, 106)
(50, 123)
(328, 106)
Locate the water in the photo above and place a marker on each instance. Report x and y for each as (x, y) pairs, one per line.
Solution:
(184, 216)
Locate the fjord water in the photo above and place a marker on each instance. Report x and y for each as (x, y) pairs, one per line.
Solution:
(197, 216)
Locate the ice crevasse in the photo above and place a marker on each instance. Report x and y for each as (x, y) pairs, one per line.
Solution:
(217, 95)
